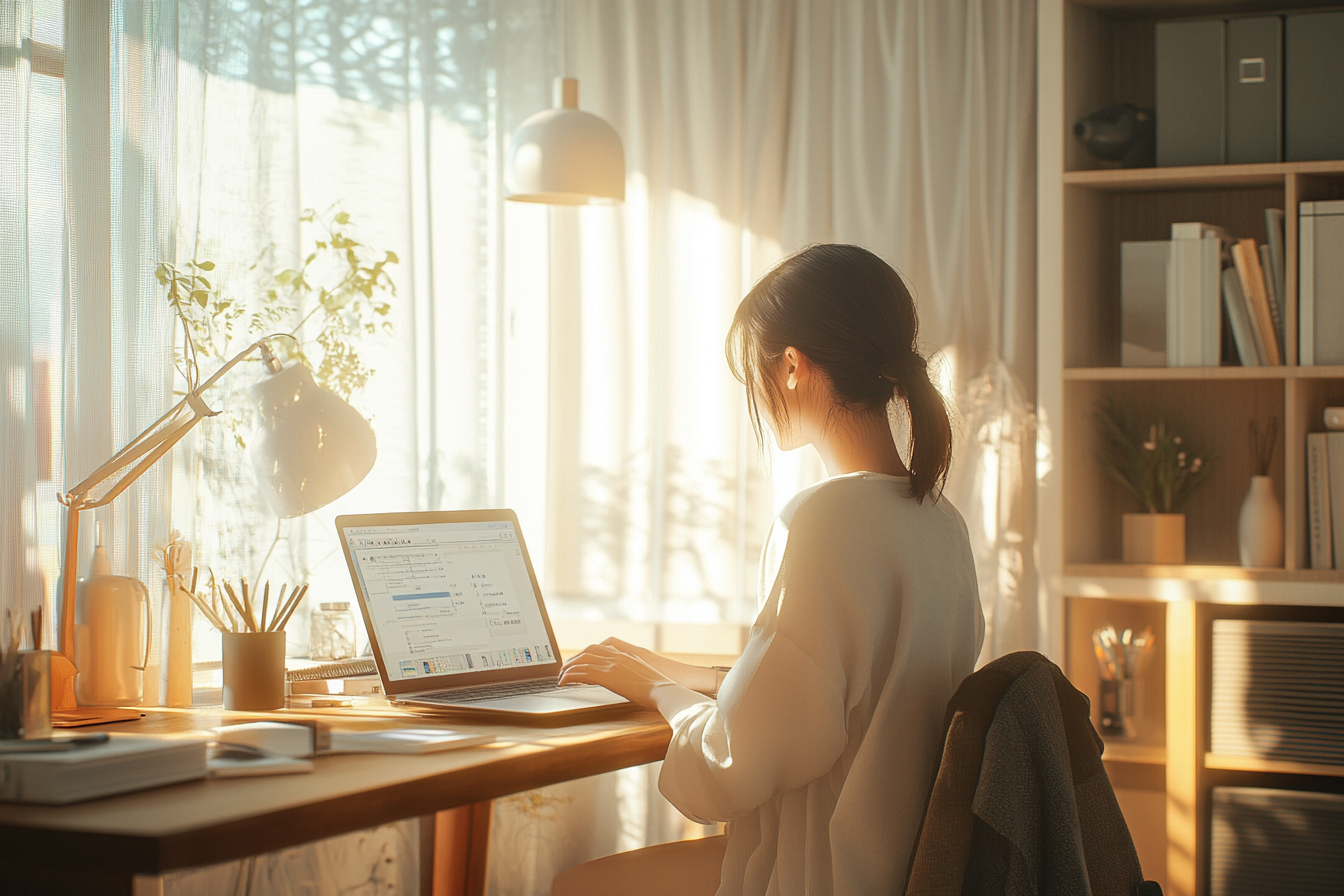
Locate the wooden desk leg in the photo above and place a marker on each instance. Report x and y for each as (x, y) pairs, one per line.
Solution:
(461, 847)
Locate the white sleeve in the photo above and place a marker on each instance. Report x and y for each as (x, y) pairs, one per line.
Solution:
(779, 721)
(782, 728)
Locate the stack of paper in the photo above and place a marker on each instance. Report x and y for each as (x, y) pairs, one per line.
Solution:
(123, 763)
(1278, 690)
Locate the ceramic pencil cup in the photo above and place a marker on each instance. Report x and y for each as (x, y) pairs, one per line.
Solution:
(254, 670)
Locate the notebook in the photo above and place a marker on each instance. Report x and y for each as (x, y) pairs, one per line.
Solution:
(455, 616)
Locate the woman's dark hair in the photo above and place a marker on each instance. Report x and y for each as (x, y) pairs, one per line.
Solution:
(851, 314)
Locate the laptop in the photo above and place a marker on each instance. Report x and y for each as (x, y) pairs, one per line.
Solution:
(455, 617)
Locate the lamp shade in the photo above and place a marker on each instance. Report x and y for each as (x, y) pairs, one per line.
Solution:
(565, 157)
(310, 447)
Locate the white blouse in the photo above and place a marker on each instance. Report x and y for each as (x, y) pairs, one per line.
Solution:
(827, 732)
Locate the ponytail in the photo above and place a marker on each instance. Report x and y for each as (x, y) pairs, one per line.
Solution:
(851, 314)
(930, 447)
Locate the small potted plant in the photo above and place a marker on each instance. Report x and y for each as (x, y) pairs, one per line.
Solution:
(1160, 471)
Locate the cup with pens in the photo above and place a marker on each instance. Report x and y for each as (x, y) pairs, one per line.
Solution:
(253, 643)
(1121, 657)
(25, 681)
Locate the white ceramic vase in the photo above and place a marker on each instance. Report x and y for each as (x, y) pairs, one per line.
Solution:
(1260, 531)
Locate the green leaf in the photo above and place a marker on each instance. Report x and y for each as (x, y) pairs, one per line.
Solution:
(206, 265)
(285, 277)
(392, 257)
(201, 296)
(342, 217)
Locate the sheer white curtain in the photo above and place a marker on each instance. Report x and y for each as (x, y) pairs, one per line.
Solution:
(751, 130)
(912, 132)
(87, 160)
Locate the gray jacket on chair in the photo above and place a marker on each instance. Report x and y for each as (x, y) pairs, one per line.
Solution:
(1021, 804)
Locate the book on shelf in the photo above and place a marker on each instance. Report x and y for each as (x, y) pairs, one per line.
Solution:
(1243, 334)
(1194, 295)
(1143, 303)
(1274, 238)
(1246, 259)
(1334, 460)
(1275, 303)
(1321, 283)
(1318, 502)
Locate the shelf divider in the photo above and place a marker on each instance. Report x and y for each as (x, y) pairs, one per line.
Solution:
(1278, 766)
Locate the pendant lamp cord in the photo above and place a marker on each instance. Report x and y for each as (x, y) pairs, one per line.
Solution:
(564, 69)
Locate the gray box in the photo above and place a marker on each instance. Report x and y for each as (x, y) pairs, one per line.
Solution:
(1313, 81)
(1143, 303)
(1190, 93)
(1321, 282)
(1255, 90)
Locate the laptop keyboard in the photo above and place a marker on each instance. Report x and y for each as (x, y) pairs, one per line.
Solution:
(503, 689)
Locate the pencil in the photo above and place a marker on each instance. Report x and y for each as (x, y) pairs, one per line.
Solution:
(265, 602)
(247, 604)
(208, 613)
(293, 605)
(279, 607)
(237, 604)
(283, 616)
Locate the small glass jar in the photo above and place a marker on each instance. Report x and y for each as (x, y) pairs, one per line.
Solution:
(332, 632)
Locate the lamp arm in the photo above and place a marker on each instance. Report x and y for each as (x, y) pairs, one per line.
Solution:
(143, 451)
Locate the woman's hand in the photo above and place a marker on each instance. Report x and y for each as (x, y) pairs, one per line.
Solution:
(615, 669)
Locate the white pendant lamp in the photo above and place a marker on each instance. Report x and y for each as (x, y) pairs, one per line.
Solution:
(564, 156)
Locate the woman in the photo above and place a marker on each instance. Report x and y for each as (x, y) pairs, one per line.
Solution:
(820, 745)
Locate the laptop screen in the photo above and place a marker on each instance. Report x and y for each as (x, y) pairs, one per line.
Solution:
(448, 598)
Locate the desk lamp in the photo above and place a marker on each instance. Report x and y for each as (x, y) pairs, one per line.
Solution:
(310, 447)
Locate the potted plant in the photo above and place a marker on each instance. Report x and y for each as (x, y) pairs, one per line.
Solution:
(1160, 471)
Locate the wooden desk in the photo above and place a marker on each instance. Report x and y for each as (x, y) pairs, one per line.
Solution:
(99, 846)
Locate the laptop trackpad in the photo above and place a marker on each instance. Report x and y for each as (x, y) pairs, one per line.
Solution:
(553, 701)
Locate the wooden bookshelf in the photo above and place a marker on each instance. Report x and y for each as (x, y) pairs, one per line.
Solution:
(1168, 374)
(1093, 54)
(1267, 174)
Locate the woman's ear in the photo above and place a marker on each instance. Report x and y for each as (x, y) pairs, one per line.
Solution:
(795, 366)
